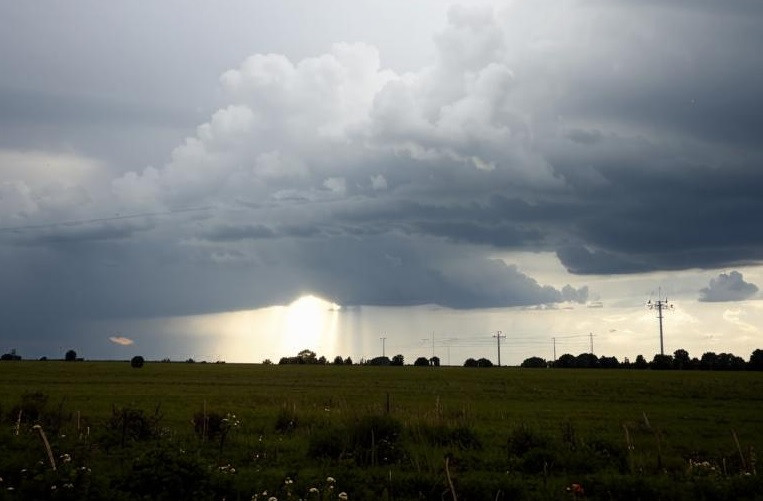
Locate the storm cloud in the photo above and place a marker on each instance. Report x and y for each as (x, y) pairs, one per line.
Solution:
(622, 138)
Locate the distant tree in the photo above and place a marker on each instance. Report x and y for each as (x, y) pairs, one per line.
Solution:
(190, 361)
(484, 362)
(322, 360)
(283, 361)
(586, 361)
(681, 360)
(756, 361)
(566, 361)
(398, 360)
(348, 361)
(137, 362)
(470, 362)
(609, 363)
(70, 356)
(640, 363)
(338, 360)
(267, 361)
(166, 360)
(534, 363)
(10, 356)
(709, 361)
(434, 361)
(43, 359)
(307, 357)
(730, 362)
(661, 362)
(380, 361)
(421, 362)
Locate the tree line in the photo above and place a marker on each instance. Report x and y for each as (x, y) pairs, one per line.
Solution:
(680, 360)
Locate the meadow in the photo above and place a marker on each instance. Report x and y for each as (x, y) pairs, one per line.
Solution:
(235, 431)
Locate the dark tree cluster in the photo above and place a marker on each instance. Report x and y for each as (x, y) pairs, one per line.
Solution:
(10, 356)
(680, 360)
(480, 362)
(309, 357)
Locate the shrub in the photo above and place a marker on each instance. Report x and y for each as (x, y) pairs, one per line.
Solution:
(534, 363)
(161, 474)
(484, 362)
(327, 442)
(130, 424)
(375, 439)
(137, 362)
(421, 362)
(287, 419)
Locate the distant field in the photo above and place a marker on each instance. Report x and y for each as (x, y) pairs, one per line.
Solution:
(661, 419)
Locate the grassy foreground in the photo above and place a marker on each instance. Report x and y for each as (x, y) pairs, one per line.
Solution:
(214, 431)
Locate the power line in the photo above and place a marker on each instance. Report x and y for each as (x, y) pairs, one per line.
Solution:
(118, 217)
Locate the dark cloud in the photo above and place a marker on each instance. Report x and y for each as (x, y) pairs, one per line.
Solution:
(625, 137)
(226, 233)
(728, 287)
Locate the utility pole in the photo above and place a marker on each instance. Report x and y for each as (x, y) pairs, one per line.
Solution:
(590, 336)
(498, 337)
(383, 339)
(660, 305)
(554, 339)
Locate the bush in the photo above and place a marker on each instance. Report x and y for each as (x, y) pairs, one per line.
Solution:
(484, 362)
(534, 363)
(130, 424)
(375, 439)
(161, 474)
(137, 362)
(421, 362)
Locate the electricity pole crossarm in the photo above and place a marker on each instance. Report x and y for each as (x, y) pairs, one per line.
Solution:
(498, 337)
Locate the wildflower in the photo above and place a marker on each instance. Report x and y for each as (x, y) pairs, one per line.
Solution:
(53, 487)
(272, 498)
(313, 490)
(288, 481)
(343, 496)
(576, 490)
(330, 480)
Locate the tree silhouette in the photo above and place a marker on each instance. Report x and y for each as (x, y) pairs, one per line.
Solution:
(534, 363)
(70, 356)
(421, 362)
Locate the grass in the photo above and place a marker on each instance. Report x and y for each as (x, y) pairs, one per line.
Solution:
(387, 431)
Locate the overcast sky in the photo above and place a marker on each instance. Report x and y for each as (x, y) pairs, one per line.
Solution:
(169, 172)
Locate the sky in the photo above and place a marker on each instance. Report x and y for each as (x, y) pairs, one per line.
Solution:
(240, 181)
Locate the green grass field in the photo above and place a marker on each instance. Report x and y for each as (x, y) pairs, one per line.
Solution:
(385, 432)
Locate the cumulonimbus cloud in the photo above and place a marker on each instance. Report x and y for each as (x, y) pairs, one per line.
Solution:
(728, 287)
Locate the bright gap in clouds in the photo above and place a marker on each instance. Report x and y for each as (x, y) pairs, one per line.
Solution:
(309, 322)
